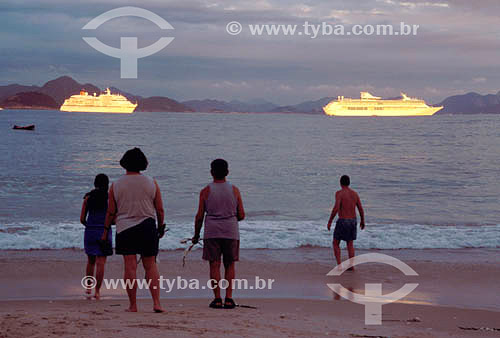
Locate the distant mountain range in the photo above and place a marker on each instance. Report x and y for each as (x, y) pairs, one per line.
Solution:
(257, 106)
(209, 105)
(53, 93)
(308, 107)
(62, 88)
(471, 103)
(30, 100)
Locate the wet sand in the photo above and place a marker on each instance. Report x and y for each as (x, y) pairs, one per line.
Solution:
(41, 295)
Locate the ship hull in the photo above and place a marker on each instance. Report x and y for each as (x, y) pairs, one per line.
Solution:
(95, 109)
(413, 112)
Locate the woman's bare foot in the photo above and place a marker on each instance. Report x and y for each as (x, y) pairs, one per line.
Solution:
(97, 296)
(131, 309)
(158, 310)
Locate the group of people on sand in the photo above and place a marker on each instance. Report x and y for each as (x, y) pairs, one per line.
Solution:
(134, 205)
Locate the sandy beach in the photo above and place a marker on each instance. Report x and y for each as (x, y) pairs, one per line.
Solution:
(273, 318)
(458, 295)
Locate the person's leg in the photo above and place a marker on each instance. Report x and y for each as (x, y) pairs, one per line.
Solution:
(130, 273)
(153, 276)
(229, 274)
(90, 265)
(215, 277)
(336, 250)
(89, 271)
(99, 275)
(350, 250)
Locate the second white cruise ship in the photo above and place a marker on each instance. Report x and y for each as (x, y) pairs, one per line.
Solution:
(369, 105)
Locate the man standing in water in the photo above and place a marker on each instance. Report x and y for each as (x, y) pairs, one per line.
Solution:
(346, 201)
(222, 204)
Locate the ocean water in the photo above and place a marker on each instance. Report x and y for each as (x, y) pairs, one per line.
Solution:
(426, 182)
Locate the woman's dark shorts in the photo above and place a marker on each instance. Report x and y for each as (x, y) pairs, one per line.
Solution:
(345, 229)
(141, 239)
(213, 248)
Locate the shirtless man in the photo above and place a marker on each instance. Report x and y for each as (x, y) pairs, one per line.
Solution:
(346, 201)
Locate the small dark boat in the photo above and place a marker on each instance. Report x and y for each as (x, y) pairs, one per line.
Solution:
(30, 127)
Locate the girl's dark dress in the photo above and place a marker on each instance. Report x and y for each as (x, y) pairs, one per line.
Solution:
(97, 205)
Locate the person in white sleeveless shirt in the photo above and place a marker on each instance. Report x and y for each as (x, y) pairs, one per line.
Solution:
(134, 204)
(221, 207)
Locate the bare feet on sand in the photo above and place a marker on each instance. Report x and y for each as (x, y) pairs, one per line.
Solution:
(155, 310)
(157, 307)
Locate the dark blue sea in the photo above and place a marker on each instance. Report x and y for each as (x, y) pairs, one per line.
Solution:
(426, 182)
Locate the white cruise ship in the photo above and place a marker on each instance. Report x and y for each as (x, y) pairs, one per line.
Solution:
(369, 105)
(104, 103)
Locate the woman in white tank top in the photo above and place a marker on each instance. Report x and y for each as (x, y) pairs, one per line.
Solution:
(134, 204)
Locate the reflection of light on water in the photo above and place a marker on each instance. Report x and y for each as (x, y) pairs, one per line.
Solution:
(415, 302)
(105, 159)
(346, 296)
(415, 298)
(108, 166)
(419, 298)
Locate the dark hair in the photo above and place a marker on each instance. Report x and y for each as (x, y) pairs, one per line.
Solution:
(101, 182)
(134, 160)
(219, 169)
(98, 198)
(345, 180)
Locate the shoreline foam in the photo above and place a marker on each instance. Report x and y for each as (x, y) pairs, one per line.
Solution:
(273, 235)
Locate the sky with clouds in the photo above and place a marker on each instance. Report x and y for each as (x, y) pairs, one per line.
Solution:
(457, 48)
